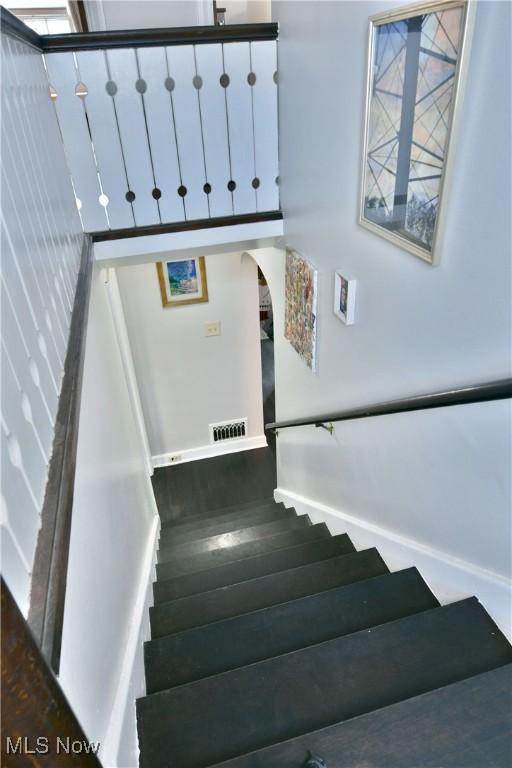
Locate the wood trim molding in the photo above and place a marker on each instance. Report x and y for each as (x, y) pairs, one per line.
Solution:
(138, 38)
(49, 575)
(78, 14)
(209, 451)
(33, 703)
(138, 624)
(185, 226)
(448, 576)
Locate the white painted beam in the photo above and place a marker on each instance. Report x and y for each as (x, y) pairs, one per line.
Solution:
(148, 248)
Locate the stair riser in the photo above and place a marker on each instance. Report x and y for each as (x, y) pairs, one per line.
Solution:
(282, 698)
(251, 568)
(184, 565)
(225, 645)
(224, 603)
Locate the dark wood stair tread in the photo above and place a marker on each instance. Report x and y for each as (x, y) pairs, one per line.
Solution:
(201, 517)
(223, 524)
(251, 567)
(255, 706)
(245, 639)
(464, 725)
(232, 538)
(197, 610)
(183, 565)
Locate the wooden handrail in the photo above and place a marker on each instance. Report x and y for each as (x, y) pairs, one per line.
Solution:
(140, 38)
(49, 574)
(35, 712)
(136, 38)
(186, 226)
(477, 393)
(14, 27)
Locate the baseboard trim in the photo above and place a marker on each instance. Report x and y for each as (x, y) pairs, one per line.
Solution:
(449, 577)
(110, 747)
(208, 451)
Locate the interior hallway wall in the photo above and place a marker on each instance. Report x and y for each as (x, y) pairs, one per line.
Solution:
(187, 380)
(133, 14)
(247, 11)
(113, 539)
(146, 14)
(437, 481)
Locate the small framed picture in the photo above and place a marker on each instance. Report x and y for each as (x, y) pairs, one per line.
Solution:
(344, 298)
(182, 282)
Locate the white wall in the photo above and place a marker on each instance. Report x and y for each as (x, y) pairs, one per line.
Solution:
(137, 14)
(441, 479)
(113, 537)
(145, 14)
(186, 380)
(41, 247)
(246, 11)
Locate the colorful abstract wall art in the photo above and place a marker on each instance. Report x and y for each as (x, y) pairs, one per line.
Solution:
(300, 307)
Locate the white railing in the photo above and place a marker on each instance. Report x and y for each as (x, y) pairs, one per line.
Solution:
(163, 134)
(41, 242)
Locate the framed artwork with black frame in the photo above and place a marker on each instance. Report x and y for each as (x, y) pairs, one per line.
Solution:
(416, 60)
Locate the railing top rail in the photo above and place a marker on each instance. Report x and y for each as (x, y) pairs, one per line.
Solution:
(136, 38)
(477, 393)
(14, 27)
(139, 38)
(49, 572)
(186, 226)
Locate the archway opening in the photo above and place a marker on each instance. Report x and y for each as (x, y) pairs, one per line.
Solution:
(267, 354)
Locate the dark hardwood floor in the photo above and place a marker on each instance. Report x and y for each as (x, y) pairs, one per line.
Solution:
(237, 478)
(200, 486)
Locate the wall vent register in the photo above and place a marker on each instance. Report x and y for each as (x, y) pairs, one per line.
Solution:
(228, 430)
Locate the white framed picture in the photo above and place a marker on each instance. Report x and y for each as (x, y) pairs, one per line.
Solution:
(344, 298)
(417, 59)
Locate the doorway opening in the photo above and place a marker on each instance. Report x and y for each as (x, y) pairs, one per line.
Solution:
(267, 354)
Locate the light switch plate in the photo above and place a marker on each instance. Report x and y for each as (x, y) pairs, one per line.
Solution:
(212, 328)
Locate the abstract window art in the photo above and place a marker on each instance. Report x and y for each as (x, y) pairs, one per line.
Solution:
(414, 65)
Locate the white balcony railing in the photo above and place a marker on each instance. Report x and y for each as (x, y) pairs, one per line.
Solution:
(168, 133)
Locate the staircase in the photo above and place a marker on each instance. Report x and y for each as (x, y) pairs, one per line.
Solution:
(277, 645)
